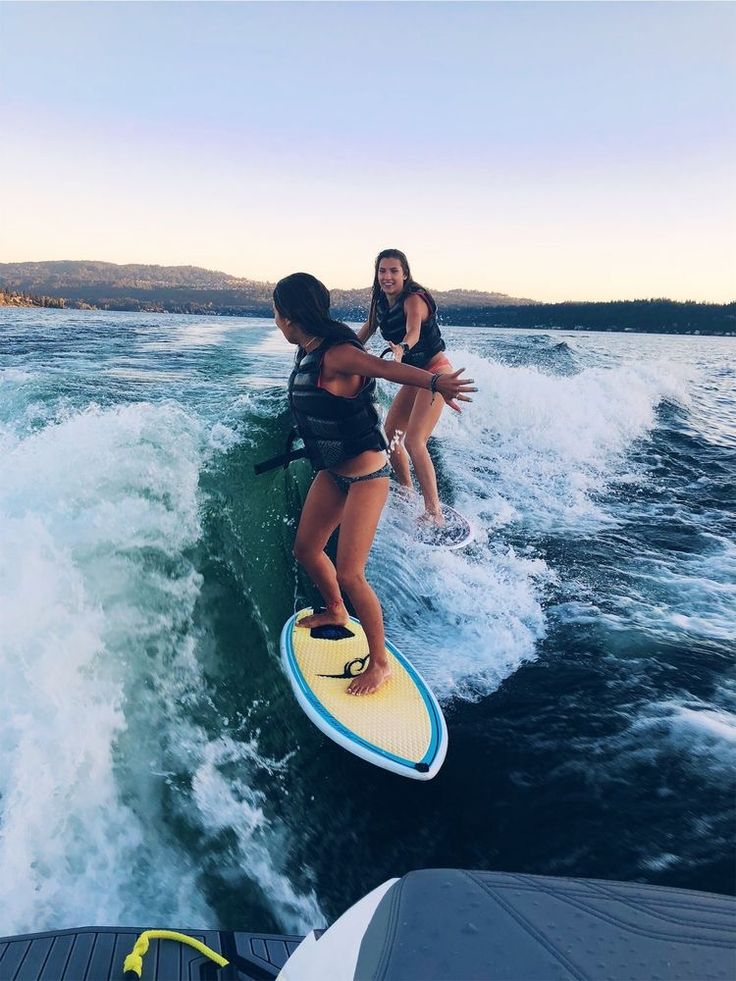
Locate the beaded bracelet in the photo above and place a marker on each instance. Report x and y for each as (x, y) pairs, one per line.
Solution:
(433, 383)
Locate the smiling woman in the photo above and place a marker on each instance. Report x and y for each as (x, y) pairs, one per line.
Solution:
(406, 315)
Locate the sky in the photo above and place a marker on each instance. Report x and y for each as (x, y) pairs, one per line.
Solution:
(553, 151)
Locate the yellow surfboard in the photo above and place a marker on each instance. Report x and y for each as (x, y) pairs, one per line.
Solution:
(400, 727)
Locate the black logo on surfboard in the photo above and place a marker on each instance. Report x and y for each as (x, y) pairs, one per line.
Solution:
(351, 670)
(331, 631)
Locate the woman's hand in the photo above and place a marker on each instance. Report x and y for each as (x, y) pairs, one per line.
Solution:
(454, 389)
(397, 350)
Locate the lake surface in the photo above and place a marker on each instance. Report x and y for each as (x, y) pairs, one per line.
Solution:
(155, 766)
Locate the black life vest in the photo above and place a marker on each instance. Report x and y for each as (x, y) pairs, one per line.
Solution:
(334, 428)
(391, 322)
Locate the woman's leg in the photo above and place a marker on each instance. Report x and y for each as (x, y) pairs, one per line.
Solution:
(424, 417)
(362, 512)
(321, 514)
(397, 420)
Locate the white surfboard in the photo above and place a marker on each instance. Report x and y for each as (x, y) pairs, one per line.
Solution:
(456, 532)
(400, 727)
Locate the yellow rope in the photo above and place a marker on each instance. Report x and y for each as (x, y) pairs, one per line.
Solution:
(134, 960)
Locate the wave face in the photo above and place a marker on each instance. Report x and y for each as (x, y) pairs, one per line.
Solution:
(155, 766)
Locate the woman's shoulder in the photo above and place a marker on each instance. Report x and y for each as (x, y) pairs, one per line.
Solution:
(417, 296)
(340, 359)
(341, 342)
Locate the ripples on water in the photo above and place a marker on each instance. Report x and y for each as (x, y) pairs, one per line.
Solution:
(582, 646)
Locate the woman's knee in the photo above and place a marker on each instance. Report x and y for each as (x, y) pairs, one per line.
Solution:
(415, 444)
(350, 577)
(303, 552)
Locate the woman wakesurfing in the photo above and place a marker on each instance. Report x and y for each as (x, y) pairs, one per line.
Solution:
(332, 397)
(405, 313)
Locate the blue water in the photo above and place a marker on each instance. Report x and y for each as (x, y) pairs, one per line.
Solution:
(154, 764)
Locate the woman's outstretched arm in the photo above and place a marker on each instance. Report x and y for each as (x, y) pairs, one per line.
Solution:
(415, 311)
(346, 359)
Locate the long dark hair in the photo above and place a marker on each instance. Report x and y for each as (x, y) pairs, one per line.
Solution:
(305, 301)
(410, 285)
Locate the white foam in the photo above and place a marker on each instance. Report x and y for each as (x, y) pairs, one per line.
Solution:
(182, 336)
(72, 507)
(467, 619)
(274, 344)
(532, 449)
(539, 448)
(676, 597)
(99, 669)
(15, 376)
(230, 804)
(661, 862)
(702, 734)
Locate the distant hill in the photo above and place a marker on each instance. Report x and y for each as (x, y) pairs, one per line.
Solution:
(190, 289)
(185, 289)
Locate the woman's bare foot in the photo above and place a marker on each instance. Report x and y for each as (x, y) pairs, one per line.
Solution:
(335, 615)
(430, 518)
(375, 675)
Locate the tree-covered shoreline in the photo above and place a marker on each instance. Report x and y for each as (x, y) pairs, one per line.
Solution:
(639, 316)
(654, 316)
(91, 285)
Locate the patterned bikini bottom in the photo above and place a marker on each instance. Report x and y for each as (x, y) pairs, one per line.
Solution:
(345, 483)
